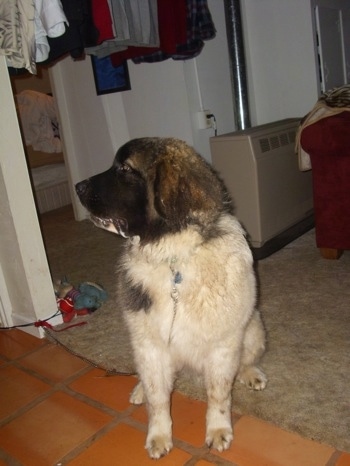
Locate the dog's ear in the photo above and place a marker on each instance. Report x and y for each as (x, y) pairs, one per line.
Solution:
(186, 189)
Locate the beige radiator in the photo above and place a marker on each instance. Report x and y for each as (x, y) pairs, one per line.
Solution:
(272, 198)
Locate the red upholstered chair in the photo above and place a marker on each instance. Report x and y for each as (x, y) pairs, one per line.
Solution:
(327, 142)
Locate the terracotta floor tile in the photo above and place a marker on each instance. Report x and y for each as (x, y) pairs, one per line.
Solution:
(140, 414)
(204, 463)
(14, 343)
(344, 460)
(113, 391)
(188, 419)
(258, 443)
(124, 445)
(53, 428)
(50, 430)
(18, 389)
(53, 362)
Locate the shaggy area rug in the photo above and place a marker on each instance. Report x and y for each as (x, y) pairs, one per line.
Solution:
(305, 304)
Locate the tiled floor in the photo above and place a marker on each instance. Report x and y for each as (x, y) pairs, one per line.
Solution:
(55, 409)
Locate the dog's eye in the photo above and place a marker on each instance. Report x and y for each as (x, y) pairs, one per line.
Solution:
(124, 168)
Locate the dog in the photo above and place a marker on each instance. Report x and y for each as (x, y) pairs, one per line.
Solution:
(185, 281)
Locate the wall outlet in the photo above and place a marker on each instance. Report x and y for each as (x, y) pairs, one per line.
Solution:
(203, 122)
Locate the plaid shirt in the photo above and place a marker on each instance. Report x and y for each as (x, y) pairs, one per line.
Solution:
(200, 27)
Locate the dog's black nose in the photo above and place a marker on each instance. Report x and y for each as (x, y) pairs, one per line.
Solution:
(81, 187)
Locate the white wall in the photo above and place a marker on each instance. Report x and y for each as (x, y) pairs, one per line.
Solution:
(157, 105)
(92, 126)
(166, 96)
(281, 64)
(213, 88)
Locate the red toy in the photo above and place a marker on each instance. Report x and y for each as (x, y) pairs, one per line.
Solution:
(66, 306)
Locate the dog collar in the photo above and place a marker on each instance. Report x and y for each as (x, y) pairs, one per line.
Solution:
(176, 279)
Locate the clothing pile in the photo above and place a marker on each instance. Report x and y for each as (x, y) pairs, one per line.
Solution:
(42, 31)
(332, 102)
(39, 121)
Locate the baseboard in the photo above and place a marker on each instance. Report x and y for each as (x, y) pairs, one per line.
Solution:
(284, 238)
(38, 332)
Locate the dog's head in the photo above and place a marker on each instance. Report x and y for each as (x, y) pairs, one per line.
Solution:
(155, 186)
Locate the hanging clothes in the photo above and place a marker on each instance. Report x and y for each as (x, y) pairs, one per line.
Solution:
(183, 26)
(50, 21)
(142, 30)
(199, 27)
(172, 18)
(124, 23)
(80, 33)
(26, 26)
(17, 40)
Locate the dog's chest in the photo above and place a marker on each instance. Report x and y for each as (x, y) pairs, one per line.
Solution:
(183, 295)
(162, 282)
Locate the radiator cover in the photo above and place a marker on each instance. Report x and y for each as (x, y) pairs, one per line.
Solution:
(272, 198)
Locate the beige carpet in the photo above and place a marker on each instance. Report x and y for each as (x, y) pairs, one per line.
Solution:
(305, 302)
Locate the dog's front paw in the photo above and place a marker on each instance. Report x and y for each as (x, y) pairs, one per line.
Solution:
(220, 439)
(158, 446)
(253, 377)
(137, 396)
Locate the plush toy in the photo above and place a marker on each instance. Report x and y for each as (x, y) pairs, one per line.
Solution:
(66, 306)
(94, 291)
(62, 287)
(71, 301)
(82, 300)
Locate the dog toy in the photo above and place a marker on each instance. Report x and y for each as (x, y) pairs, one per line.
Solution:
(94, 292)
(71, 301)
(66, 306)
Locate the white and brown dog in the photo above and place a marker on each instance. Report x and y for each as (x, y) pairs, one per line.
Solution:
(185, 280)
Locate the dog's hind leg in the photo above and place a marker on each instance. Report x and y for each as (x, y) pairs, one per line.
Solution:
(137, 396)
(253, 348)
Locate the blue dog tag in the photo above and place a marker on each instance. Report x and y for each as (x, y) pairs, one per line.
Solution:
(177, 278)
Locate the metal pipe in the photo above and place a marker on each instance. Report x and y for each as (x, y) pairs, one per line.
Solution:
(237, 63)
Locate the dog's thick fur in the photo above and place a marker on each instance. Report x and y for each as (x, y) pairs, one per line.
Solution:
(185, 283)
